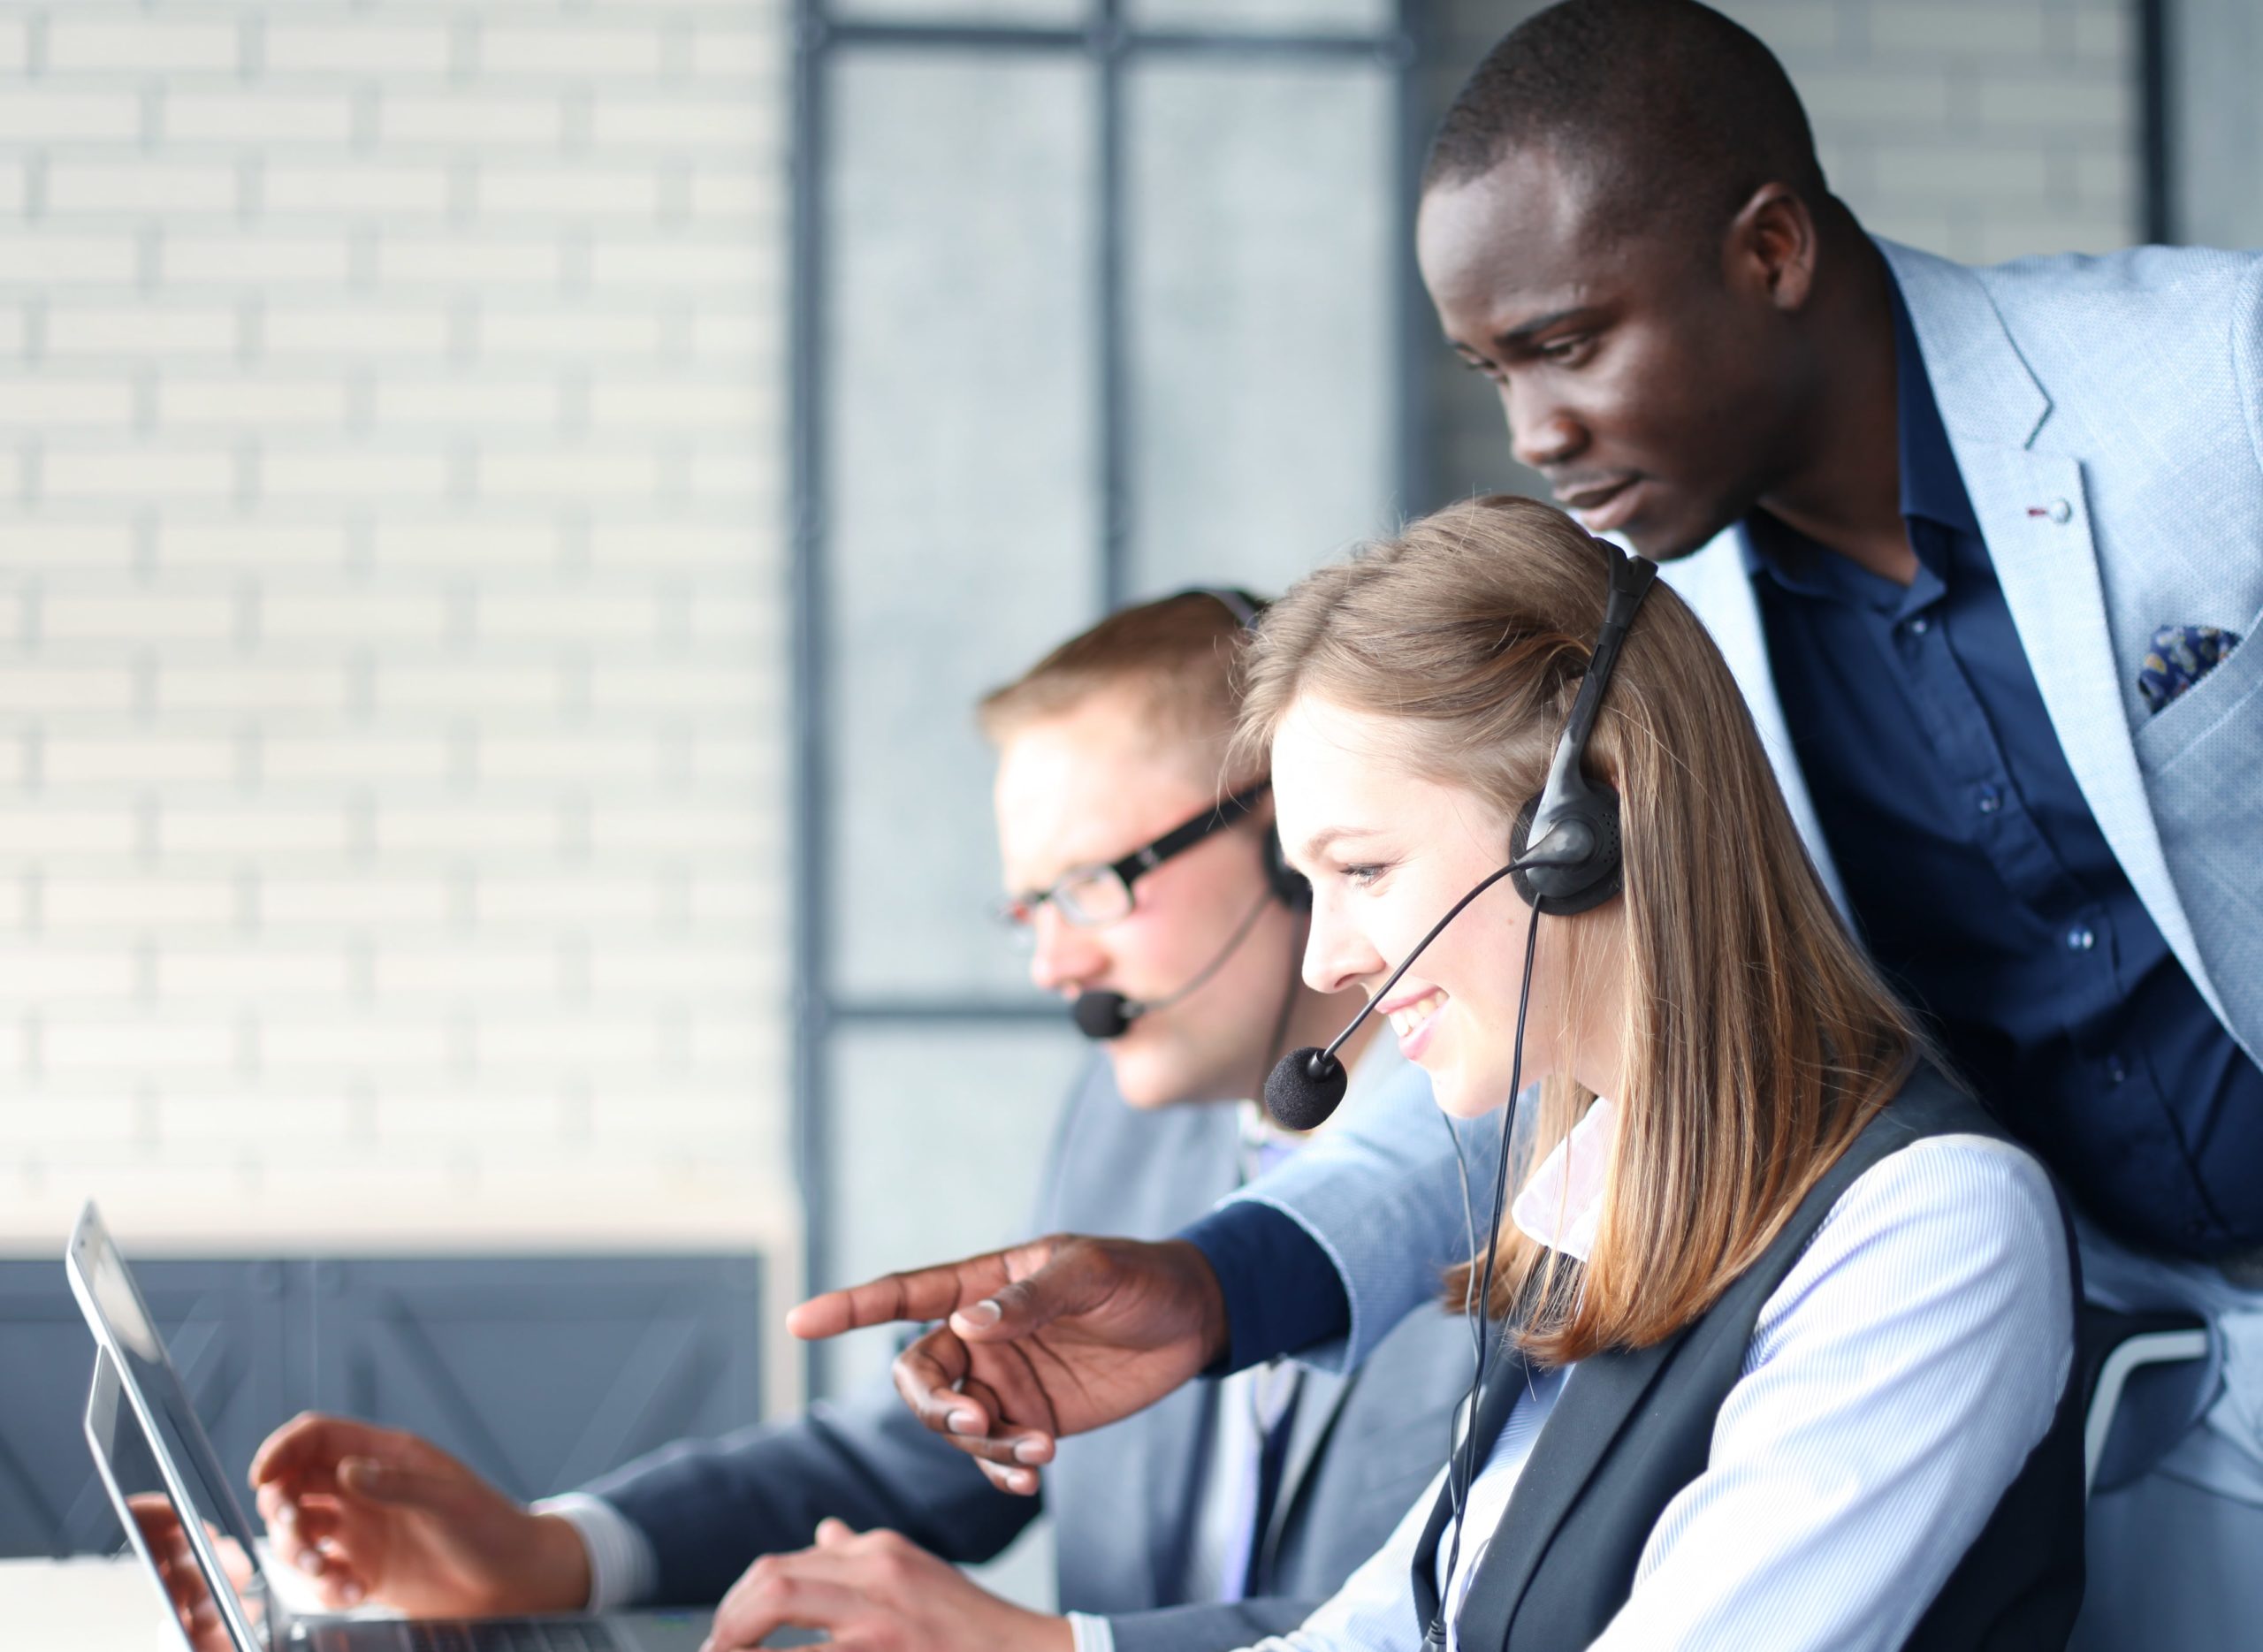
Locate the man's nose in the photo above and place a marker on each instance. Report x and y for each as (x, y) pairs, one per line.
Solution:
(1542, 432)
(1061, 955)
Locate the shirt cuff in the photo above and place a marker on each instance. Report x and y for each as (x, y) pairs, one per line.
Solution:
(622, 1567)
(1091, 1634)
(1281, 1292)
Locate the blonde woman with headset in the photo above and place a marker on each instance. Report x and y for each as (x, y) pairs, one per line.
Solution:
(1784, 1324)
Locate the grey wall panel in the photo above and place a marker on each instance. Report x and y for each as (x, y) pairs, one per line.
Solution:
(223, 1323)
(541, 1374)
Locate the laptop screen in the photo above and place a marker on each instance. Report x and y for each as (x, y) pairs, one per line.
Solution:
(153, 1519)
(122, 1326)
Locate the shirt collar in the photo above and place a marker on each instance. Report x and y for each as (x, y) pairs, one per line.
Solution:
(1560, 1206)
(1931, 487)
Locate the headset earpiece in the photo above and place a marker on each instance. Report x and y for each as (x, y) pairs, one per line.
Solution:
(1586, 812)
(1562, 891)
(1290, 885)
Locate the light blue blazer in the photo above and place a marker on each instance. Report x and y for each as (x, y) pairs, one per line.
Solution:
(2107, 416)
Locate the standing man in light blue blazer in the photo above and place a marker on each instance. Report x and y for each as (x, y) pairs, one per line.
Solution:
(1221, 1515)
(1985, 548)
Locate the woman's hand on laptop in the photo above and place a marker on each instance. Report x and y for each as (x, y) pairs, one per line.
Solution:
(373, 1514)
(877, 1592)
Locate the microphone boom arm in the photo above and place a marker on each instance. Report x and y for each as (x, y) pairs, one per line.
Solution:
(1544, 856)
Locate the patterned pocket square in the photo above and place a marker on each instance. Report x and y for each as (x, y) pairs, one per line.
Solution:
(2181, 655)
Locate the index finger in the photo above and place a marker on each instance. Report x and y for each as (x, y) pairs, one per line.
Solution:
(933, 1379)
(924, 1293)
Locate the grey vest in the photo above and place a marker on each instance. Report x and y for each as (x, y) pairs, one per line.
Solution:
(1635, 1428)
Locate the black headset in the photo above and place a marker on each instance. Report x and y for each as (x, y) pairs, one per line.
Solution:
(1101, 1014)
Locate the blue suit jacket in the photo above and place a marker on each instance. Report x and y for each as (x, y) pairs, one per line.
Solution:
(1361, 1449)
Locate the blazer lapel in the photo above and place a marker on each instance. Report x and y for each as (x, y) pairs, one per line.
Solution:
(1488, 1421)
(1599, 1396)
(1320, 1396)
(1715, 584)
(1169, 1454)
(2032, 514)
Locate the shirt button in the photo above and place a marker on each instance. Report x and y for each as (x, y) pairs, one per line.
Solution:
(1991, 800)
(1920, 625)
(2116, 1072)
(2060, 511)
(2080, 939)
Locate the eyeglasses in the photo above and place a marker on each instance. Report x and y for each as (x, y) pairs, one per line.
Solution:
(1090, 896)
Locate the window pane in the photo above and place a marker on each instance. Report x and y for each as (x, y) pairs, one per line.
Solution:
(1261, 241)
(937, 1134)
(1284, 17)
(960, 477)
(975, 13)
(2215, 49)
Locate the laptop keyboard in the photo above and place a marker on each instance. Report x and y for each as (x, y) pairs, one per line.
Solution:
(512, 1634)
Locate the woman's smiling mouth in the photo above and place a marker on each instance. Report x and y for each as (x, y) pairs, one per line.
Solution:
(1414, 1019)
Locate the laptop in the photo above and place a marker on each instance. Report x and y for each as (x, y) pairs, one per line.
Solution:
(173, 1498)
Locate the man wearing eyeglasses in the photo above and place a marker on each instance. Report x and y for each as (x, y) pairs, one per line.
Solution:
(1152, 894)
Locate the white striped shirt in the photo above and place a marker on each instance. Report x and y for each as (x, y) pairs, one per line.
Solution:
(1894, 1384)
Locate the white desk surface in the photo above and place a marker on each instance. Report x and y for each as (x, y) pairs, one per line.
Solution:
(97, 1605)
(88, 1605)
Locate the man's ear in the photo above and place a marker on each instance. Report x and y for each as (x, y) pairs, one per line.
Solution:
(1772, 246)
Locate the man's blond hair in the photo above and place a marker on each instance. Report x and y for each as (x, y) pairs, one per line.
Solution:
(1177, 654)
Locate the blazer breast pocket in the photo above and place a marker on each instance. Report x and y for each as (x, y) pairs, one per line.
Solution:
(2227, 703)
(2202, 763)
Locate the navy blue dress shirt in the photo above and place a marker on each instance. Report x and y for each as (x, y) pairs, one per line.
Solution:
(1980, 878)
(1979, 881)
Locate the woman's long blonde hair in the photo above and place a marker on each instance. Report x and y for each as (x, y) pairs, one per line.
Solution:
(1758, 1040)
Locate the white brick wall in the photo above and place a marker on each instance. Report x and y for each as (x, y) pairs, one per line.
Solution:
(392, 701)
(1984, 129)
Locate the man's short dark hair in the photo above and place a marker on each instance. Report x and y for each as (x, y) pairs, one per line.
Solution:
(1668, 113)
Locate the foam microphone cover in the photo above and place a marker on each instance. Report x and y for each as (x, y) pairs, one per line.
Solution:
(1102, 1014)
(1304, 1088)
